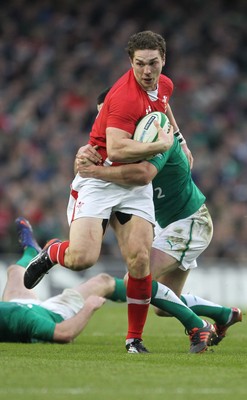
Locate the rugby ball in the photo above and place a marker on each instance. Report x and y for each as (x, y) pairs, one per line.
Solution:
(146, 132)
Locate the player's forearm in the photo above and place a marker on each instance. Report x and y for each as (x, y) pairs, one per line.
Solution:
(133, 174)
(68, 330)
(122, 148)
(171, 117)
(179, 136)
(176, 129)
(128, 150)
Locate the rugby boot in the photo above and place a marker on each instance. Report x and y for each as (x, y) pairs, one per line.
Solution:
(236, 316)
(200, 338)
(39, 266)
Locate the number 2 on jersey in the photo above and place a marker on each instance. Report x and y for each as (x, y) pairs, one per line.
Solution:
(159, 193)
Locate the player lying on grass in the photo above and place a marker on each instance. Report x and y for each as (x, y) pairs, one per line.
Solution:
(24, 318)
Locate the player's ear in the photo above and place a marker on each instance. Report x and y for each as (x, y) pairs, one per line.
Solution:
(164, 61)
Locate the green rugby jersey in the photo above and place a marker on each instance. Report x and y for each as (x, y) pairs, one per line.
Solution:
(26, 323)
(176, 195)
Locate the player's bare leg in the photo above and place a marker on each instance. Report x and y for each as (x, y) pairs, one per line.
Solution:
(85, 243)
(102, 285)
(80, 252)
(14, 288)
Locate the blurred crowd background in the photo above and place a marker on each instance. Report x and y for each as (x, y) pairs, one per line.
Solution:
(57, 56)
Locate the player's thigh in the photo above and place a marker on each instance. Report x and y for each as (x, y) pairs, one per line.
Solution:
(101, 285)
(14, 288)
(86, 236)
(135, 240)
(134, 235)
(161, 263)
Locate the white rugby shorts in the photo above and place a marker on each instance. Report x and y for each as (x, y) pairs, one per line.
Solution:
(67, 304)
(186, 238)
(99, 199)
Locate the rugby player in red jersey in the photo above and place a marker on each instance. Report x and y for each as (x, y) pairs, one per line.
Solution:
(92, 202)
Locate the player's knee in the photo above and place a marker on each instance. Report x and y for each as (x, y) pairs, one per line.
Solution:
(138, 263)
(103, 284)
(104, 279)
(80, 261)
(12, 269)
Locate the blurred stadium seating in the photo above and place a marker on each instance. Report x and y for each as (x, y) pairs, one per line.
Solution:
(55, 59)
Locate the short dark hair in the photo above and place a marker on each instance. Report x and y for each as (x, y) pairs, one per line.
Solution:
(101, 97)
(146, 40)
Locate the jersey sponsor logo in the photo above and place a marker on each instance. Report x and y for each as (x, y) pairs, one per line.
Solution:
(170, 243)
(148, 110)
(24, 304)
(165, 102)
(149, 122)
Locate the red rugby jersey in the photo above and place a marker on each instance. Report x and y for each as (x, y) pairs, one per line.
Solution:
(125, 104)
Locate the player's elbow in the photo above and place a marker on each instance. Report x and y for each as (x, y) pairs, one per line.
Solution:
(115, 155)
(62, 335)
(142, 174)
(66, 338)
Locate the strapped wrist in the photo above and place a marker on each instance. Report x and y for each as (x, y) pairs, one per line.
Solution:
(180, 137)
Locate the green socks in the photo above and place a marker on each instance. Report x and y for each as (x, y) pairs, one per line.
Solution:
(119, 293)
(207, 308)
(165, 299)
(28, 254)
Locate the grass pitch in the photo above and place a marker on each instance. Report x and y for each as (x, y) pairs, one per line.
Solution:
(96, 365)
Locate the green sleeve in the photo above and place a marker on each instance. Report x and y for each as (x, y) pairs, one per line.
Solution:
(159, 160)
(41, 323)
(40, 329)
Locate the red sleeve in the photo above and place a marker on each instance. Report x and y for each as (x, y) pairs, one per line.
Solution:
(123, 114)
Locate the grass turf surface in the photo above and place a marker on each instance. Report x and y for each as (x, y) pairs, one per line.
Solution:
(96, 365)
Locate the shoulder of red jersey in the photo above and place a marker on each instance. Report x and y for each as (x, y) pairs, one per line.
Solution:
(123, 103)
(125, 92)
(126, 84)
(167, 82)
